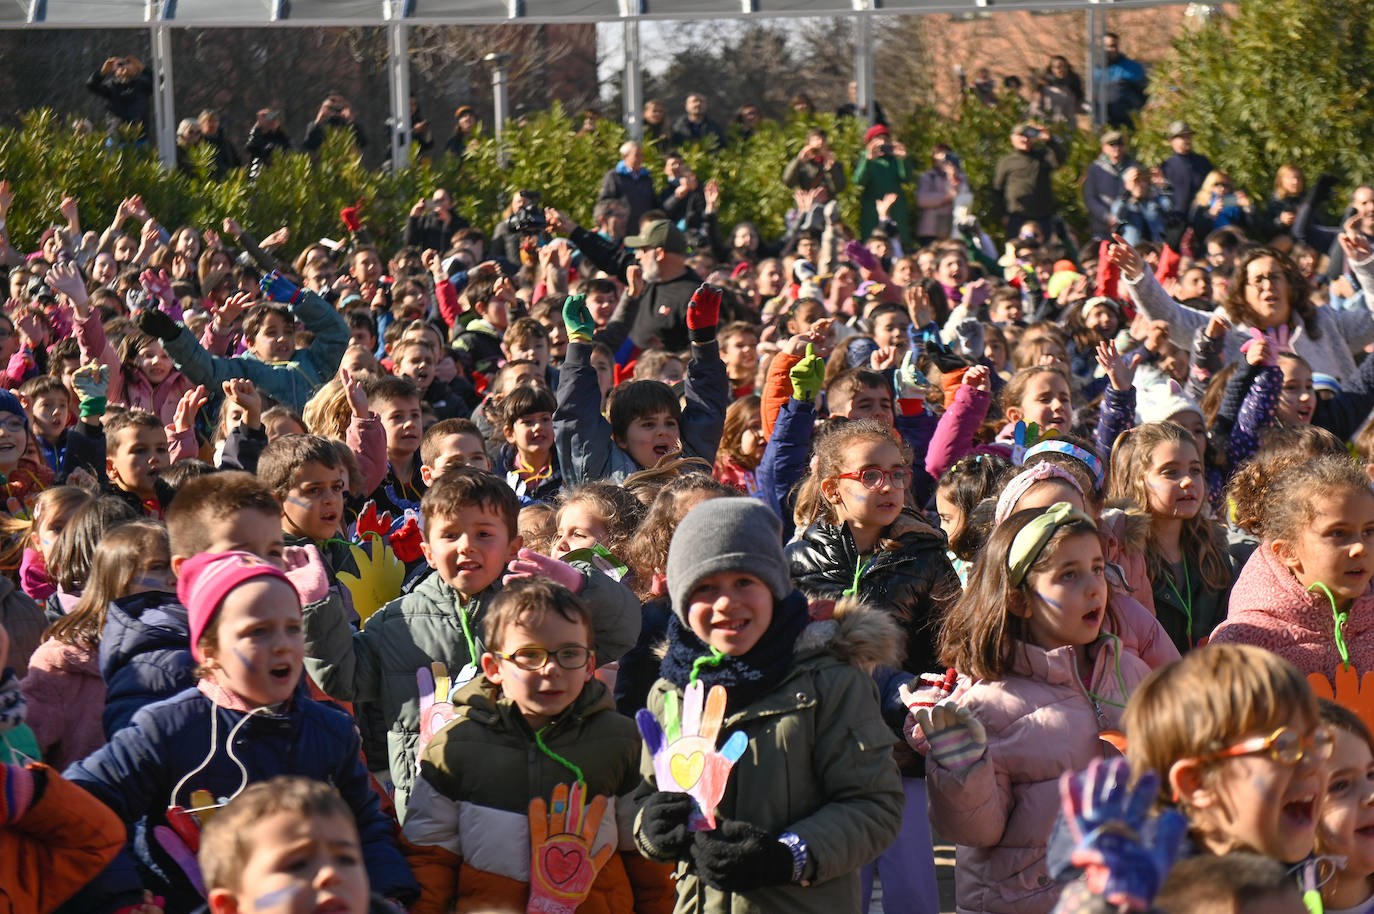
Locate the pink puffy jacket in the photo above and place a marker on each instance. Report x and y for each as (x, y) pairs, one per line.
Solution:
(1041, 721)
(1270, 609)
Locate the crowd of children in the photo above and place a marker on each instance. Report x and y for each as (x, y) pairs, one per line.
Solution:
(455, 589)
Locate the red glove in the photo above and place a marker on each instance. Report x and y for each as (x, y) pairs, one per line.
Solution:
(1169, 261)
(352, 217)
(369, 522)
(405, 542)
(703, 311)
(1108, 274)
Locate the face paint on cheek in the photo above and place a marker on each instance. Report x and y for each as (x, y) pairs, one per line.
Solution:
(276, 899)
(150, 582)
(245, 661)
(299, 502)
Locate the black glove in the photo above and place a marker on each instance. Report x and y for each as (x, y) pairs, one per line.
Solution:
(945, 358)
(739, 857)
(155, 323)
(663, 825)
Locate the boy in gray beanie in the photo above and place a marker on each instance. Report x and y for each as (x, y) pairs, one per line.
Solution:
(815, 795)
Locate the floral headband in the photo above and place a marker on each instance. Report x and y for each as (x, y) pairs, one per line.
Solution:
(1021, 483)
(1052, 445)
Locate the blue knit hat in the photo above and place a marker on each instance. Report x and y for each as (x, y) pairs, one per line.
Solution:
(9, 403)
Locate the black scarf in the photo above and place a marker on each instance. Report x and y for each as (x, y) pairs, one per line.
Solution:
(747, 677)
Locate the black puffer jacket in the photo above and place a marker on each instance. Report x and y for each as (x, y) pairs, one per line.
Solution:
(913, 580)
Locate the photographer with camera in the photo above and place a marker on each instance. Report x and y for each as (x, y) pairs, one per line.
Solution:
(432, 222)
(127, 87)
(518, 237)
(265, 137)
(335, 111)
(884, 169)
(1021, 186)
(937, 189)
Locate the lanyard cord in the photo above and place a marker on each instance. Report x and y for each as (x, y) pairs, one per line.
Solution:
(1185, 601)
(539, 741)
(1339, 619)
(858, 573)
(467, 632)
(712, 659)
(529, 473)
(1120, 680)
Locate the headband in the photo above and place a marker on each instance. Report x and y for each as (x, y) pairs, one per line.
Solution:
(1095, 301)
(1063, 447)
(1021, 483)
(1031, 540)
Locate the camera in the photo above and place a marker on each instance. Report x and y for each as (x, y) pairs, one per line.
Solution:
(528, 219)
(885, 149)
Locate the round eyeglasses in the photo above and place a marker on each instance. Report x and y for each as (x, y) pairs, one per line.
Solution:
(875, 478)
(532, 659)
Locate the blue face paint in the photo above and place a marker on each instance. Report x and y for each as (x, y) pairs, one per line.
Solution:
(245, 661)
(299, 502)
(276, 899)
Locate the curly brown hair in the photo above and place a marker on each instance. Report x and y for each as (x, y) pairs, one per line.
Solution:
(1299, 292)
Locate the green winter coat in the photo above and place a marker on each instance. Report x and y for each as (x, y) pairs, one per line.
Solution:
(819, 764)
(877, 178)
(379, 663)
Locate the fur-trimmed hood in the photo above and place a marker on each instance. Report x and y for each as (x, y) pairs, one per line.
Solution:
(856, 632)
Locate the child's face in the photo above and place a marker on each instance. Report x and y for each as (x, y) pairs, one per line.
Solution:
(154, 362)
(751, 441)
(1174, 480)
(867, 403)
(313, 505)
(402, 422)
(1046, 401)
(460, 450)
(299, 865)
(49, 527)
(730, 611)
(604, 367)
(1334, 549)
(417, 363)
(248, 530)
(275, 340)
(1259, 803)
(1346, 825)
(1101, 320)
(651, 437)
(1006, 311)
(1298, 399)
(602, 306)
(154, 573)
(532, 433)
(536, 349)
(470, 549)
(278, 426)
(858, 504)
(1196, 426)
(889, 330)
(741, 355)
(48, 414)
(579, 527)
(951, 515)
(806, 248)
(1068, 600)
(542, 694)
(261, 646)
(138, 456)
(995, 351)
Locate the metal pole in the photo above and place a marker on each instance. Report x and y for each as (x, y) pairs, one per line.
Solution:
(499, 102)
(398, 63)
(633, 88)
(863, 65)
(164, 101)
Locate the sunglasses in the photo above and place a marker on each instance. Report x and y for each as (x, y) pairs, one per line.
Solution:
(533, 659)
(874, 478)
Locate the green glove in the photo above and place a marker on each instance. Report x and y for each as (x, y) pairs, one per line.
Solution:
(578, 319)
(808, 376)
(92, 382)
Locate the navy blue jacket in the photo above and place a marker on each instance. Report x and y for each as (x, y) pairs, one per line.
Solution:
(145, 655)
(140, 773)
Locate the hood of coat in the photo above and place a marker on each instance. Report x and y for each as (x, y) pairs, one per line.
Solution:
(1267, 596)
(57, 656)
(1126, 526)
(858, 633)
(141, 623)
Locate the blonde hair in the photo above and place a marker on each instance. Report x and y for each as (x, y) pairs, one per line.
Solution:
(1016, 387)
(113, 568)
(1200, 537)
(827, 461)
(328, 412)
(1209, 183)
(1207, 700)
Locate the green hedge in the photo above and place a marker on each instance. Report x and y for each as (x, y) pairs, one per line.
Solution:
(44, 162)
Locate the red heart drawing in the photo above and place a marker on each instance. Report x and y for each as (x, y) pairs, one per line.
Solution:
(562, 865)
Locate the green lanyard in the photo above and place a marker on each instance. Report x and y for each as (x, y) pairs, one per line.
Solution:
(712, 659)
(858, 573)
(1339, 619)
(1185, 602)
(539, 741)
(467, 632)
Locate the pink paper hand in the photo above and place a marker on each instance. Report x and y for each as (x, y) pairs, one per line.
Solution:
(687, 759)
(563, 864)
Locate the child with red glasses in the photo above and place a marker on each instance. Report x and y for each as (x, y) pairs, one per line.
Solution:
(861, 536)
(1235, 735)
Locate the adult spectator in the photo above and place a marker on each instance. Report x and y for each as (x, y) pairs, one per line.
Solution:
(1059, 91)
(661, 320)
(694, 126)
(884, 169)
(852, 108)
(1125, 84)
(655, 121)
(465, 124)
(336, 112)
(266, 136)
(127, 88)
(1102, 183)
(226, 156)
(747, 121)
(419, 128)
(684, 201)
(816, 166)
(1218, 204)
(188, 138)
(1185, 170)
(1140, 212)
(1290, 186)
(432, 222)
(936, 190)
(630, 182)
(1021, 187)
(1359, 219)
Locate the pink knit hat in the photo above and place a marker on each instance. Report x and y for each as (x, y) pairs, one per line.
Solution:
(206, 579)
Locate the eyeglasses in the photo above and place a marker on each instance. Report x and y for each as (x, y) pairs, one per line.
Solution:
(1273, 279)
(12, 424)
(874, 478)
(1284, 746)
(532, 659)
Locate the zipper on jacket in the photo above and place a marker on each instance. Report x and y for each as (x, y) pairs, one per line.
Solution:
(1102, 722)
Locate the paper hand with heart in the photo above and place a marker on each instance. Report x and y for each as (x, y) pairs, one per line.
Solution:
(684, 749)
(435, 708)
(563, 864)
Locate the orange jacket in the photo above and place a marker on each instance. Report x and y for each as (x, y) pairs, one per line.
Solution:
(59, 843)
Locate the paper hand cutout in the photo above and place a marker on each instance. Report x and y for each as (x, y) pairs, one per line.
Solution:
(1124, 851)
(1350, 690)
(562, 862)
(181, 854)
(685, 756)
(381, 573)
(435, 708)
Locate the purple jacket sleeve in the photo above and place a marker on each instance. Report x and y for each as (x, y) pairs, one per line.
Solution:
(954, 431)
(1256, 412)
(1116, 416)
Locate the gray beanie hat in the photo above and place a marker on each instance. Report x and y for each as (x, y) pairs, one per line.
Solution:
(726, 534)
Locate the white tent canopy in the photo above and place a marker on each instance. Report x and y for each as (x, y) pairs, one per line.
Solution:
(398, 15)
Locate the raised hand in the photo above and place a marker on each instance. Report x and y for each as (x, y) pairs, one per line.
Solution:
(1124, 852)
(563, 858)
(66, 278)
(184, 419)
(883, 358)
(92, 383)
(807, 376)
(1125, 258)
(684, 753)
(577, 318)
(232, 227)
(276, 239)
(278, 288)
(979, 377)
(1217, 326)
(530, 564)
(304, 568)
(634, 281)
(68, 208)
(703, 311)
(228, 312)
(356, 394)
(1120, 369)
(1260, 349)
(956, 738)
(1354, 243)
(243, 392)
(159, 285)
